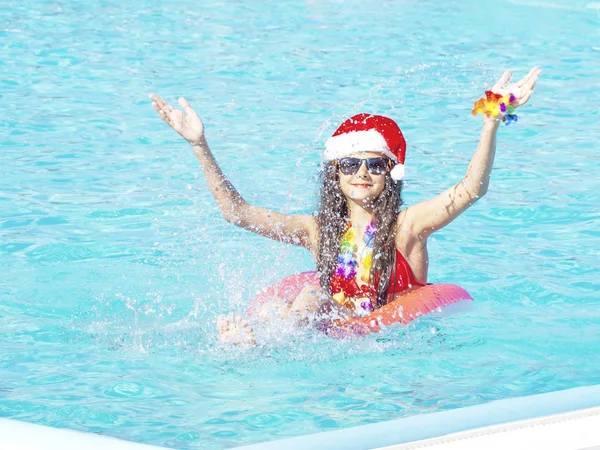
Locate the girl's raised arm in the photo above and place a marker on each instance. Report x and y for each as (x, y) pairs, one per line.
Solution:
(290, 228)
(429, 216)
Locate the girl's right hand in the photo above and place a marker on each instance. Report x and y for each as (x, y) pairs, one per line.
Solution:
(187, 124)
(522, 90)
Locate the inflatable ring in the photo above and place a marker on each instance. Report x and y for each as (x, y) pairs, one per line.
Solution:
(418, 303)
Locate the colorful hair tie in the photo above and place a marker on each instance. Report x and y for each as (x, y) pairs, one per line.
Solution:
(496, 105)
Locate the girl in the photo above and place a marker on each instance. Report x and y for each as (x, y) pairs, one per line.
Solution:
(368, 250)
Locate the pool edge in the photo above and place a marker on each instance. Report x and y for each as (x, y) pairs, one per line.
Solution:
(423, 427)
(419, 431)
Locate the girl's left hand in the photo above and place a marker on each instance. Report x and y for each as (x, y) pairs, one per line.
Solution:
(522, 90)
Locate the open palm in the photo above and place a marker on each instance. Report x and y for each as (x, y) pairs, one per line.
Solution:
(522, 89)
(186, 122)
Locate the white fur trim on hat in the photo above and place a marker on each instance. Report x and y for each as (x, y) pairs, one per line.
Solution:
(397, 172)
(357, 141)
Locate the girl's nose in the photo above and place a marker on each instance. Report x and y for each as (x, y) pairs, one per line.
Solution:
(362, 170)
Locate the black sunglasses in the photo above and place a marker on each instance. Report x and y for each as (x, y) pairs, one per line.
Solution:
(375, 166)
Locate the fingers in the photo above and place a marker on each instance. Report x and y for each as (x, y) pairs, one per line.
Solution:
(185, 105)
(534, 77)
(502, 81)
(526, 78)
(156, 99)
(222, 323)
(164, 114)
(530, 78)
(239, 320)
(160, 109)
(159, 104)
(525, 98)
(164, 110)
(527, 84)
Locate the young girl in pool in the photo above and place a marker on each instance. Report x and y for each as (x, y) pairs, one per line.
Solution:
(368, 251)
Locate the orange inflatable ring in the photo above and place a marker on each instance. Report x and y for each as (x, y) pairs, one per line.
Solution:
(418, 303)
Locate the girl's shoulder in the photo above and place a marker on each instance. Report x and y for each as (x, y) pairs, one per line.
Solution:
(310, 222)
(311, 226)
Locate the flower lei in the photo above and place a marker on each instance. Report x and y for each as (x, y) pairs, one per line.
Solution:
(343, 283)
(496, 105)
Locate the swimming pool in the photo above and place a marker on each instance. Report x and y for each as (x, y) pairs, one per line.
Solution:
(115, 263)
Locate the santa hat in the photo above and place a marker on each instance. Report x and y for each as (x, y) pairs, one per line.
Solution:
(369, 133)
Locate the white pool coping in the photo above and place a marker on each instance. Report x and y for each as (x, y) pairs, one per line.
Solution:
(560, 420)
(578, 430)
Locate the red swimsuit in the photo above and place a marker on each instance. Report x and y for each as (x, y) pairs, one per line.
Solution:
(403, 277)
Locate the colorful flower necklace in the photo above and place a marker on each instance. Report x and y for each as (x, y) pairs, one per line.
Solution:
(344, 287)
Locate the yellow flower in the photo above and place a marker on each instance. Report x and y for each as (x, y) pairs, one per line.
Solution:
(367, 261)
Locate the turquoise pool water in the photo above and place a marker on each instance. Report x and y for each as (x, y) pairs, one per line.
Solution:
(114, 261)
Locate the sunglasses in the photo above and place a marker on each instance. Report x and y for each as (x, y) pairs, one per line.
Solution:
(375, 166)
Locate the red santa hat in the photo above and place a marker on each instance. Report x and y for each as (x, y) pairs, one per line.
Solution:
(369, 133)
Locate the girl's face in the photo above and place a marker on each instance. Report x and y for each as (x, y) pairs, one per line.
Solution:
(362, 187)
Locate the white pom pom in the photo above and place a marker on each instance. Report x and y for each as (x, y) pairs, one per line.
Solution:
(397, 172)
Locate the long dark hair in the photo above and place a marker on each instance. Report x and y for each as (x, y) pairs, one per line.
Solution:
(332, 216)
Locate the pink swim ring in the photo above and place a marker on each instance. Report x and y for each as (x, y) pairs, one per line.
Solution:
(418, 303)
